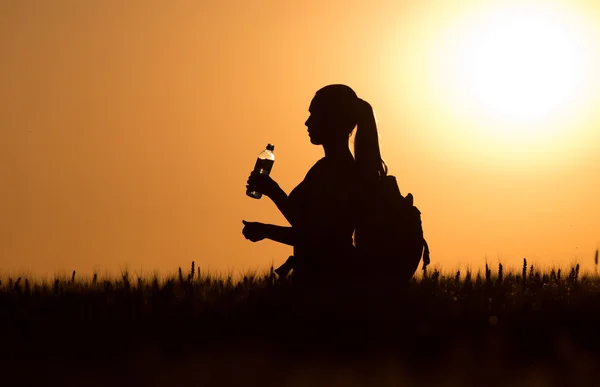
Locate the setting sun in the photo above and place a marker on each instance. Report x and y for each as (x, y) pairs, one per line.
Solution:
(520, 70)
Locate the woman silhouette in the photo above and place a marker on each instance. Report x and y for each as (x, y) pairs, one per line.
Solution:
(324, 209)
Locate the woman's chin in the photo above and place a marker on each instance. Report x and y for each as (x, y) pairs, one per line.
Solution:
(315, 141)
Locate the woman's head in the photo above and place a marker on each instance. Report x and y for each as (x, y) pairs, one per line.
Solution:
(335, 111)
(332, 114)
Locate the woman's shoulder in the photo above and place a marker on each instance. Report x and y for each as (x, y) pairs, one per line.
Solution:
(333, 170)
(319, 167)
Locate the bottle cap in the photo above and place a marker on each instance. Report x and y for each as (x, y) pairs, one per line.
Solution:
(270, 147)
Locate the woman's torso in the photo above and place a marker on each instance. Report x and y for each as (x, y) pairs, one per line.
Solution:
(323, 208)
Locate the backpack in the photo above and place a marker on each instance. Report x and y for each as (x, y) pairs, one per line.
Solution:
(389, 235)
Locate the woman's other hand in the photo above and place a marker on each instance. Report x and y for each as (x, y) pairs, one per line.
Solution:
(254, 231)
(262, 183)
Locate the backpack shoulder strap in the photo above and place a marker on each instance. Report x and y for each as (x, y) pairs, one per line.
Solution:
(426, 260)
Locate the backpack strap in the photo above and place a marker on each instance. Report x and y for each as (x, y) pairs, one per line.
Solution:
(426, 260)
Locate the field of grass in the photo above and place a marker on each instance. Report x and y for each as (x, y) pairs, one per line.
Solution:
(488, 328)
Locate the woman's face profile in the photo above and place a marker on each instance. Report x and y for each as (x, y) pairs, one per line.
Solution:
(318, 123)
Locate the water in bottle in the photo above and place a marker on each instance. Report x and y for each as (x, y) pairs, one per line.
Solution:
(264, 163)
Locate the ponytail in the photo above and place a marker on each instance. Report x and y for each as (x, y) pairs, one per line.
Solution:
(366, 144)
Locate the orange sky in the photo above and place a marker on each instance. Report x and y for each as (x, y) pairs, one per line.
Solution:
(128, 129)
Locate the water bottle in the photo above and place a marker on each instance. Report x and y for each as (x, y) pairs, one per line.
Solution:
(264, 163)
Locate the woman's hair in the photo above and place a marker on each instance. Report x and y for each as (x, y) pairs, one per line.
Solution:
(349, 111)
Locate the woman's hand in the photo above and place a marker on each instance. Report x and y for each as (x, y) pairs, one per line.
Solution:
(255, 231)
(262, 183)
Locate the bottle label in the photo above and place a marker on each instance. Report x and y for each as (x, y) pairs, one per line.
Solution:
(263, 166)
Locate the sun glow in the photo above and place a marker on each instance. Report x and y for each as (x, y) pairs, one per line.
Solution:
(520, 71)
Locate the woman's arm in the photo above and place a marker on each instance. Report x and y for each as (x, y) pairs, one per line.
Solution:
(269, 187)
(280, 198)
(256, 231)
(281, 234)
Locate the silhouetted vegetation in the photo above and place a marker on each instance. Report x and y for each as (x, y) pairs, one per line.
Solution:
(466, 323)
